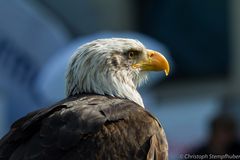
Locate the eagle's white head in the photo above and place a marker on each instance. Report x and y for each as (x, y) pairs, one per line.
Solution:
(114, 67)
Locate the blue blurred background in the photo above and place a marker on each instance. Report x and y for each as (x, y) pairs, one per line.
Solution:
(198, 104)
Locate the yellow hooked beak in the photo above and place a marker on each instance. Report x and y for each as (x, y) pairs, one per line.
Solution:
(154, 62)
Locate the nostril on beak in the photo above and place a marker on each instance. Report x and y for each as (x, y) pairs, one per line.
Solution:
(151, 54)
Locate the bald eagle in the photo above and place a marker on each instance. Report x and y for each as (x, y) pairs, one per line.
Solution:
(103, 116)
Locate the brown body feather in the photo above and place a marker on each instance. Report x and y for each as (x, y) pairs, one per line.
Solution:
(86, 127)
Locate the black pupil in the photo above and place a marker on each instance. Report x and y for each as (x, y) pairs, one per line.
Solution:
(131, 54)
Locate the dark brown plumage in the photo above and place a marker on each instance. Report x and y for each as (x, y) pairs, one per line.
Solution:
(86, 127)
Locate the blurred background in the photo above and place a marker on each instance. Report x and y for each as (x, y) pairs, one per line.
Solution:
(198, 104)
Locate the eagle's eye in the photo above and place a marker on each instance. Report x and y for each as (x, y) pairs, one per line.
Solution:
(132, 54)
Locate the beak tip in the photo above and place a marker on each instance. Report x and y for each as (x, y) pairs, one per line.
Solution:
(167, 68)
(166, 72)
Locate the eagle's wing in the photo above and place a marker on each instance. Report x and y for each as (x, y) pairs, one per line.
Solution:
(86, 127)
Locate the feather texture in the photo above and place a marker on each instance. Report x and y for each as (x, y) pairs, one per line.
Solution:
(86, 127)
(101, 67)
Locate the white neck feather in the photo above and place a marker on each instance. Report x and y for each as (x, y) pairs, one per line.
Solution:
(116, 85)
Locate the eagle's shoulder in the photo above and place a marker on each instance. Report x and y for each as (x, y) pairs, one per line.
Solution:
(77, 120)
